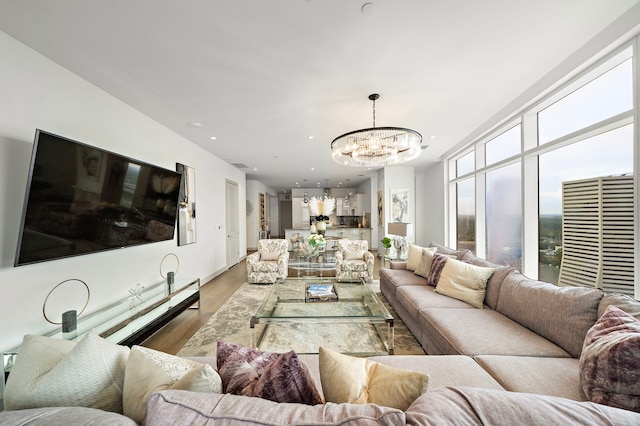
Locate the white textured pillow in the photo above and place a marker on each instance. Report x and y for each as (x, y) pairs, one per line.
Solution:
(356, 380)
(424, 264)
(354, 255)
(269, 255)
(414, 256)
(149, 371)
(464, 281)
(52, 372)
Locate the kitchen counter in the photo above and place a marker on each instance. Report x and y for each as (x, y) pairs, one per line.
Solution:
(337, 231)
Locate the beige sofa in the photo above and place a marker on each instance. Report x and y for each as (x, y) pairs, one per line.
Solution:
(460, 392)
(528, 336)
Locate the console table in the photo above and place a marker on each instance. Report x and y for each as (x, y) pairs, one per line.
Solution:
(133, 319)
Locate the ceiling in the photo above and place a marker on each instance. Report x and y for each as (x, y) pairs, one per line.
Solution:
(262, 76)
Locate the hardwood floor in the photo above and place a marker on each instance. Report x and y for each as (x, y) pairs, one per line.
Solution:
(213, 294)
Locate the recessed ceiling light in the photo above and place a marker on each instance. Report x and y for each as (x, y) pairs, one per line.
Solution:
(255, 170)
(432, 137)
(213, 138)
(313, 168)
(310, 137)
(195, 124)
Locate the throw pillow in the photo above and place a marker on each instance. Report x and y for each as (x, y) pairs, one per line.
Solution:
(269, 255)
(361, 381)
(609, 362)
(426, 258)
(52, 372)
(269, 375)
(149, 371)
(464, 281)
(415, 256)
(354, 255)
(435, 270)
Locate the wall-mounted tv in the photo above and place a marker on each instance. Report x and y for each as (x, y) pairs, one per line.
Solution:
(81, 199)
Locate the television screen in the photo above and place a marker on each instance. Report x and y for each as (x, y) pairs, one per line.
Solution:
(81, 199)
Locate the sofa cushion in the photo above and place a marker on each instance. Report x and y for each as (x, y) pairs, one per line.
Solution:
(415, 256)
(495, 282)
(269, 375)
(361, 381)
(481, 332)
(187, 408)
(52, 372)
(610, 361)
(415, 298)
(622, 301)
(394, 278)
(561, 314)
(464, 281)
(48, 416)
(535, 374)
(459, 254)
(473, 406)
(149, 371)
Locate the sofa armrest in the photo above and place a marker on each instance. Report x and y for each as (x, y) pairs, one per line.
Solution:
(252, 259)
(398, 265)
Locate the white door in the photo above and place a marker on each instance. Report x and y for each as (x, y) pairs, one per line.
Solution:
(232, 220)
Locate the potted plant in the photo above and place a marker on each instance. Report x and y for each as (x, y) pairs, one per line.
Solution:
(386, 242)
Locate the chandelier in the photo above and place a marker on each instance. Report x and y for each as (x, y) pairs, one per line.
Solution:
(377, 146)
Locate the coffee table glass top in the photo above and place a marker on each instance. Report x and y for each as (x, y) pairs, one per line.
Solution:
(288, 315)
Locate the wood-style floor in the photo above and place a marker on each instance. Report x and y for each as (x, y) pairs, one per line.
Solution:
(213, 294)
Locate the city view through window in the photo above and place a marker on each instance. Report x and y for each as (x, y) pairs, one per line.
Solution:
(586, 133)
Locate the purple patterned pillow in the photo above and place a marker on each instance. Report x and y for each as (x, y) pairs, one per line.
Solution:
(437, 265)
(610, 360)
(269, 375)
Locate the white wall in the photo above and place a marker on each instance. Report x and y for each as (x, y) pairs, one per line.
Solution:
(37, 93)
(430, 205)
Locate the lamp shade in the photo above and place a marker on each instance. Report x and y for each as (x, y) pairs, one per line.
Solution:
(398, 228)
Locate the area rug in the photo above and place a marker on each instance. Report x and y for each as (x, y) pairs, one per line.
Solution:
(231, 323)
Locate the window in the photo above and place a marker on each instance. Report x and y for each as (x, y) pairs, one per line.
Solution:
(504, 216)
(602, 98)
(511, 207)
(504, 146)
(465, 164)
(466, 215)
(607, 154)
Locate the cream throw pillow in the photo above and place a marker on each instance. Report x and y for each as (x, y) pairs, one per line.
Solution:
(149, 371)
(424, 265)
(464, 281)
(269, 256)
(354, 255)
(361, 381)
(415, 254)
(52, 372)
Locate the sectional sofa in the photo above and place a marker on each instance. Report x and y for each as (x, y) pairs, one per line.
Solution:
(514, 356)
(528, 335)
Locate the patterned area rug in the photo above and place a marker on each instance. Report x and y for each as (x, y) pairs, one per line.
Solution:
(231, 323)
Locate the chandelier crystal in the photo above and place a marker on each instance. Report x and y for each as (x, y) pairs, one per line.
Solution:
(376, 146)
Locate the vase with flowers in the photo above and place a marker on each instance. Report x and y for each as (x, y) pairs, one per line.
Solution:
(321, 208)
(316, 243)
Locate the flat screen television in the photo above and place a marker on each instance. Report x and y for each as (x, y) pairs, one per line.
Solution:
(81, 199)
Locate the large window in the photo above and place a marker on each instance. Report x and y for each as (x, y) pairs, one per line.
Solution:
(584, 129)
(504, 216)
(466, 215)
(606, 154)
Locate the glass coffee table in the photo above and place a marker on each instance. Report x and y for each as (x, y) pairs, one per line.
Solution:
(350, 318)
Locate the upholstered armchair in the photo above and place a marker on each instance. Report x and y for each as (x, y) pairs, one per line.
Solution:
(354, 261)
(270, 263)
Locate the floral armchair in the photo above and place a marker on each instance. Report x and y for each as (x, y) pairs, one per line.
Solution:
(354, 261)
(270, 263)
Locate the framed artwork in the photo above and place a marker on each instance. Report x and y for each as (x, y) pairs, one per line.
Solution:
(187, 205)
(380, 208)
(399, 205)
(91, 163)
